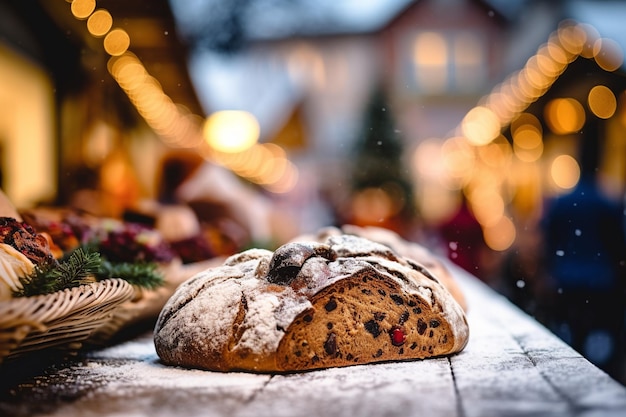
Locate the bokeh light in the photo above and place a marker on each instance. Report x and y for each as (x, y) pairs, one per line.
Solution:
(99, 23)
(458, 160)
(501, 235)
(602, 102)
(371, 205)
(608, 54)
(231, 130)
(480, 126)
(116, 42)
(81, 9)
(487, 205)
(564, 115)
(565, 171)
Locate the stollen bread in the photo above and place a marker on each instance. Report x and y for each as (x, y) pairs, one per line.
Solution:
(309, 305)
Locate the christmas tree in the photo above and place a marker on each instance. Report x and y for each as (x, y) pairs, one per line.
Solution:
(382, 193)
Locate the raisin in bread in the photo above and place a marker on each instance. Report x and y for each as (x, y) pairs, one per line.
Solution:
(309, 305)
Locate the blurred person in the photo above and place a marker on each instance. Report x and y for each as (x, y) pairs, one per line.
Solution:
(463, 237)
(523, 274)
(585, 250)
(88, 194)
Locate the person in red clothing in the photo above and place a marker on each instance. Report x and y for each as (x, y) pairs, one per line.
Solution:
(463, 236)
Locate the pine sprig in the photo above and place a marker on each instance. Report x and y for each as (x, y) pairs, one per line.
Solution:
(141, 274)
(85, 265)
(77, 269)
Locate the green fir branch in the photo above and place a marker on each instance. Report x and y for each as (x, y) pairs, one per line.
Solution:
(77, 269)
(85, 265)
(141, 274)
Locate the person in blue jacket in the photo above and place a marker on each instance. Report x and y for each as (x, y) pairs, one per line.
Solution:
(585, 261)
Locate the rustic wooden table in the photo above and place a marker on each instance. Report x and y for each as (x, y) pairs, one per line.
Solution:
(512, 366)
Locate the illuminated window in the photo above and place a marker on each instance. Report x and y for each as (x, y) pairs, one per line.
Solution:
(431, 62)
(447, 62)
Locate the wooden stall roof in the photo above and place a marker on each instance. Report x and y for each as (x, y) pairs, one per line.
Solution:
(154, 39)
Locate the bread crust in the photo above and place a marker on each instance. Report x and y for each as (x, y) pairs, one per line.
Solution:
(309, 305)
(410, 250)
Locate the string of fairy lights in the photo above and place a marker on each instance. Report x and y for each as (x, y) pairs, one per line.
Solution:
(229, 138)
(479, 160)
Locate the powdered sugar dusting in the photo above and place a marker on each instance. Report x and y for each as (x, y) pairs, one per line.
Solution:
(204, 324)
(268, 315)
(201, 315)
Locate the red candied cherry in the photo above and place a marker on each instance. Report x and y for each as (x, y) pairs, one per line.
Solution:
(398, 336)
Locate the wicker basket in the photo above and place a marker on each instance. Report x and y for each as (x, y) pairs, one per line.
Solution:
(63, 319)
(147, 304)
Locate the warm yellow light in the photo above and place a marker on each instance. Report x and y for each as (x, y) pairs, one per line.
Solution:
(231, 130)
(116, 42)
(457, 159)
(591, 35)
(130, 74)
(602, 101)
(287, 181)
(274, 170)
(608, 54)
(497, 154)
(565, 171)
(427, 159)
(99, 23)
(546, 64)
(436, 205)
(557, 53)
(430, 57)
(480, 126)
(572, 37)
(525, 120)
(500, 103)
(258, 162)
(527, 138)
(487, 205)
(371, 205)
(81, 9)
(564, 115)
(501, 235)
(528, 154)
(431, 50)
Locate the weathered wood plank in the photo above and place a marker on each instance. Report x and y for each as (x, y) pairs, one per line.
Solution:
(388, 389)
(521, 368)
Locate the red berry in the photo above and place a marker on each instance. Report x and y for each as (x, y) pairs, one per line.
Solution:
(397, 335)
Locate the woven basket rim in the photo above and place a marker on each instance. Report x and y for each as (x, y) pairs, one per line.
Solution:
(60, 318)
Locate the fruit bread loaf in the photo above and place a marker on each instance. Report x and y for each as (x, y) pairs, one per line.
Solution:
(309, 305)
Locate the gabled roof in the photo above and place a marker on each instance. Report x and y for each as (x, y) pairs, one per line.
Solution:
(276, 19)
